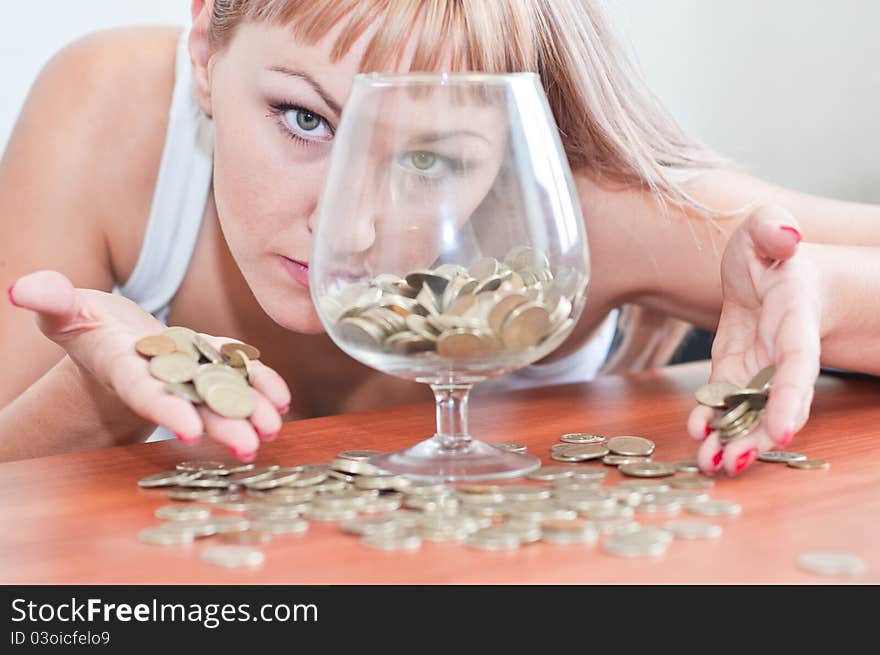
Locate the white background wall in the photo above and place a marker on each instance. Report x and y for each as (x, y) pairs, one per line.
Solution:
(788, 88)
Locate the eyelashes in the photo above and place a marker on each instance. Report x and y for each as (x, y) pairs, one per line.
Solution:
(298, 130)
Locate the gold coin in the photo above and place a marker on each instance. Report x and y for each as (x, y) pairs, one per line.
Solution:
(183, 337)
(714, 393)
(155, 345)
(466, 343)
(525, 326)
(208, 351)
(230, 352)
(230, 400)
(762, 379)
(173, 367)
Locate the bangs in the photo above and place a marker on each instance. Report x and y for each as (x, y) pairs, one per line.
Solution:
(457, 35)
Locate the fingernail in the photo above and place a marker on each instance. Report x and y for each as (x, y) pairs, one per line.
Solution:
(270, 437)
(794, 231)
(284, 409)
(744, 460)
(787, 436)
(716, 461)
(244, 457)
(708, 431)
(189, 441)
(11, 297)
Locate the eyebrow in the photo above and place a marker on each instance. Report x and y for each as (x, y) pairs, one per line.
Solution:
(429, 137)
(308, 79)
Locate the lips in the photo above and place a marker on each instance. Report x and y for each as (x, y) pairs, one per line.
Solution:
(297, 270)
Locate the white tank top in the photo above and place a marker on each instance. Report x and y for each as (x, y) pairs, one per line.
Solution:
(178, 205)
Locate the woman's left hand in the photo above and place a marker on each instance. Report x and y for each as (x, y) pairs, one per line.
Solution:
(770, 315)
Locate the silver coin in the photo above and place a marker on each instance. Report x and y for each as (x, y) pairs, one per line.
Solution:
(182, 513)
(551, 473)
(353, 467)
(622, 545)
(494, 538)
(714, 508)
(644, 486)
(524, 492)
(392, 540)
(164, 479)
(714, 393)
(810, 465)
(381, 482)
(832, 564)
(619, 460)
(578, 452)
(233, 556)
(631, 446)
(193, 494)
(367, 525)
(510, 446)
(661, 505)
(162, 535)
(227, 524)
(576, 531)
(691, 482)
(582, 437)
(686, 466)
(762, 379)
(358, 455)
(686, 529)
(647, 469)
(246, 537)
(204, 467)
(281, 526)
(781, 457)
(330, 514)
(615, 525)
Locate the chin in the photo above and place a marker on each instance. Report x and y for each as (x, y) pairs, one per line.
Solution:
(297, 317)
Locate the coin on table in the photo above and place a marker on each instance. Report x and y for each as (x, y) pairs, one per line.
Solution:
(494, 538)
(233, 556)
(252, 475)
(568, 532)
(511, 447)
(645, 486)
(163, 535)
(207, 467)
(691, 482)
(619, 460)
(781, 457)
(173, 367)
(232, 349)
(647, 469)
(281, 526)
(578, 452)
(182, 513)
(582, 437)
(400, 540)
(183, 341)
(714, 393)
(155, 345)
(163, 479)
(714, 507)
(517, 492)
(550, 473)
(810, 464)
(631, 446)
(358, 455)
(686, 529)
(832, 563)
(225, 524)
(249, 537)
(634, 544)
(686, 466)
(661, 504)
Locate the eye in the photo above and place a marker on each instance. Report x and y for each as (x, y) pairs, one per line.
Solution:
(425, 163)
(307, 124)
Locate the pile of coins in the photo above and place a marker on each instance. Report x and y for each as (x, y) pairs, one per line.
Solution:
(195, 370)
(558, 505)
(491, 308)
(741, 408)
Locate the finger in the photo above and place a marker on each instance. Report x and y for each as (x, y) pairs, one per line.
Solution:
(55, 300)
(236, 433)
(774, 231)
(269, 383)
(265, 419)
(797, 369)
(146, 396)
(742, 452)
(698, 422)
(710, 453)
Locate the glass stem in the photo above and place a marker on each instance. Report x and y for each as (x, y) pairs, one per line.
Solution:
(452, 416)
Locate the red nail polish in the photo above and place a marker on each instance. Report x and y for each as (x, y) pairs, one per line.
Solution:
(794, 231)
(787, 436)
(284, 409)
(11, 298)
(744, 460)
(708, 431)
(716, 461)
(244, 457)
(270, 437)
(189, 441)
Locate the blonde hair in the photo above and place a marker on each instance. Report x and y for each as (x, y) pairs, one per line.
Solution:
(610, 123)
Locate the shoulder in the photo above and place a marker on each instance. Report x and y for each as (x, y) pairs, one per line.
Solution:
(100, 107)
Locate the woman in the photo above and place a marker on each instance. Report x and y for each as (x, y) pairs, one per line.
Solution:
(105, 188)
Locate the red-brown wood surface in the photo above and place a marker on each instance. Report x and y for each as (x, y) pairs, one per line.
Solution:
(74, 518)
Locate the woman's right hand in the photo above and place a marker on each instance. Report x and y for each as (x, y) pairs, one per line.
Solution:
(99, 331)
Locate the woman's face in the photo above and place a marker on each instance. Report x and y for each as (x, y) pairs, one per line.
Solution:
(276, 105)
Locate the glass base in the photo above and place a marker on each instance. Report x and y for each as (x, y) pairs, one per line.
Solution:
(478, 460)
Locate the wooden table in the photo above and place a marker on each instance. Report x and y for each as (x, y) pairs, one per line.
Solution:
(74, 518)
